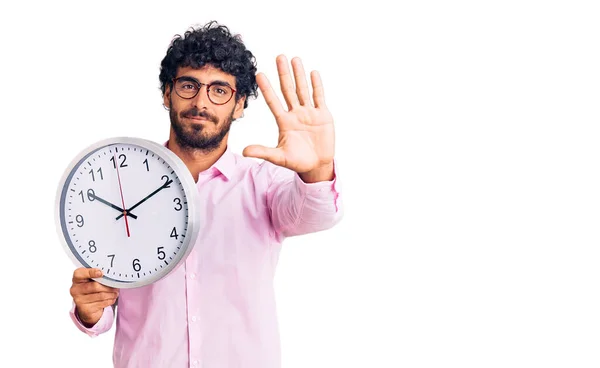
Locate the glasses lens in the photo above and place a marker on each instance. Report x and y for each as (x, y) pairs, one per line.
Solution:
(220, 94)
(186, 88)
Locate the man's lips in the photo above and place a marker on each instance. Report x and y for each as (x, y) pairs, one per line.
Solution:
(197, 118)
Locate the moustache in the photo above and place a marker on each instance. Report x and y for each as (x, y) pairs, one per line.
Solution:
(194, 112)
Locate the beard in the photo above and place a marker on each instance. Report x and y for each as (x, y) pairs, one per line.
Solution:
(194, 136)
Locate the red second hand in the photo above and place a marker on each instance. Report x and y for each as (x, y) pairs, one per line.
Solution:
(122, 200)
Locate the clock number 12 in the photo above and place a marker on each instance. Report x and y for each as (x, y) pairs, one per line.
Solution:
(122, 164)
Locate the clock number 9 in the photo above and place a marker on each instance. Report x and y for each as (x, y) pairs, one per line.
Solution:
(136, 265)
(79, 220)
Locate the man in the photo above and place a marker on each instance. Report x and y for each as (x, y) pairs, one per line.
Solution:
(217, 309)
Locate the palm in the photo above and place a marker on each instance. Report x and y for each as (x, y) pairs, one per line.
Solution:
(306, 132)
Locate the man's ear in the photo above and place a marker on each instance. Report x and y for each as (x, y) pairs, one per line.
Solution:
(239, 108)
(167, 97)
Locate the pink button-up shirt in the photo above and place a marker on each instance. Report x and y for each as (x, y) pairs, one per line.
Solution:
(217, 309)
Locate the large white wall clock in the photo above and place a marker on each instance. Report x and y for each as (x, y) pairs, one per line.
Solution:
(129, 207)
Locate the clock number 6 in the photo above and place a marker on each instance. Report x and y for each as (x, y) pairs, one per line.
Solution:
(136, 265)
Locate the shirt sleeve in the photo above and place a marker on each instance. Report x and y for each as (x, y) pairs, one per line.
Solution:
(298, 208)
(104, 323)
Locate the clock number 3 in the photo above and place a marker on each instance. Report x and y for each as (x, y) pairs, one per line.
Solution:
(178, 205)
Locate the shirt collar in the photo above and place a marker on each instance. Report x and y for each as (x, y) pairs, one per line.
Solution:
(224, 165)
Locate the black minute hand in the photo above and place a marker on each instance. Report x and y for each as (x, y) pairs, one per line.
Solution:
(165, 185)
(93, 197)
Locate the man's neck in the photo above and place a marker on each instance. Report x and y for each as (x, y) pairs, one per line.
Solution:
(197, 160)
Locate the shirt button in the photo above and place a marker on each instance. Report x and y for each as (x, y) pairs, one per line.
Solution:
(193, 276)
(195, 362)
(194, 319)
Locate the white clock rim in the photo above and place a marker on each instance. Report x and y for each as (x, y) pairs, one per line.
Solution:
(189, 187)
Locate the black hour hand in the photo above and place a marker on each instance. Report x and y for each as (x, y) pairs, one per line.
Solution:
(93, 197)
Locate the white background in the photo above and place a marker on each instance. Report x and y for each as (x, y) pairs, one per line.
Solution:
(469, 147)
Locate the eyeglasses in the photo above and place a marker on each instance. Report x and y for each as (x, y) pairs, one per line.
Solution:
(217, 92)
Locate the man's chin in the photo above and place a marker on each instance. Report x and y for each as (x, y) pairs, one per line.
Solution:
(195, 129)
(198, 141)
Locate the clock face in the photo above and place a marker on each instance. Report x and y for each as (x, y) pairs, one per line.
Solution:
(127, 207)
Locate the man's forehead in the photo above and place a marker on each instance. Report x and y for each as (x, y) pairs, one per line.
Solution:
(205, 74)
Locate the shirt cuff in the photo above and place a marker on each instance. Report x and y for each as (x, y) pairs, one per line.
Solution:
(320, 189)
(101, 326)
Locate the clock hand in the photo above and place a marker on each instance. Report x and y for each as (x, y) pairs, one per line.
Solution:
(122, 200)
(165, 185)
(92, 196)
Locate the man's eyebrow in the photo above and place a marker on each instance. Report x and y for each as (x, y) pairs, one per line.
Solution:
(188, 79)
(219, 82)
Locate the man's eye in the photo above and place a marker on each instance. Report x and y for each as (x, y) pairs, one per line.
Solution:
(188, 86)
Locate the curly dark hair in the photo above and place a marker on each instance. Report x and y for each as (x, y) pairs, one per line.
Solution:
(213, 44)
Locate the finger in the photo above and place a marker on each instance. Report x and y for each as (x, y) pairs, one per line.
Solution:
(301, 85)
(286, 83)
(273, 155)
(95, 298)
(318, 90)
(91, 288)
(94, 307)
(84, 274)
(269, 95)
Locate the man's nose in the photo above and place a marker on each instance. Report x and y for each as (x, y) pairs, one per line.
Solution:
(201, 99)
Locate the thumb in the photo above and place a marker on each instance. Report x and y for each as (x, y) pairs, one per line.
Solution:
(273, 155)
(84, 274)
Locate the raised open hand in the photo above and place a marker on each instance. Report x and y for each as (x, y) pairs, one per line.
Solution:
(306, 133)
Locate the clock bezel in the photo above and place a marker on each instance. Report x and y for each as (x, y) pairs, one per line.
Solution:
(189, 186)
